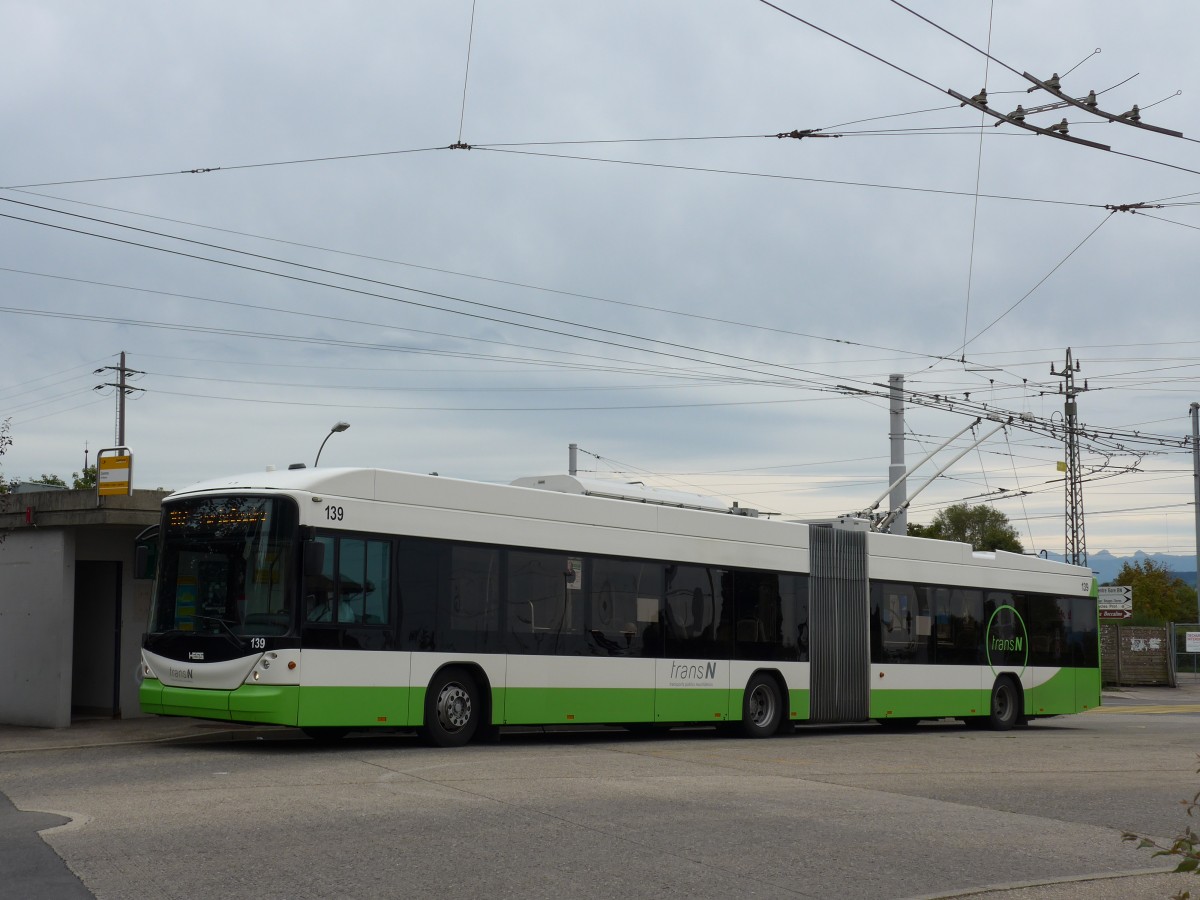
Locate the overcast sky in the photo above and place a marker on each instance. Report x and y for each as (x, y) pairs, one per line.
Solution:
(626, 258)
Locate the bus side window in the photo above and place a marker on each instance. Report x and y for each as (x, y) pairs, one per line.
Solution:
(765, 620)
(544, 601)
(420, 569)
(377, 605)
(696, 617)
(474, 593)
(619, 612)
(899, 624)
(320, 590)
(959, 614)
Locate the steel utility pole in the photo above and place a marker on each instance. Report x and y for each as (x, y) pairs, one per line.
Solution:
(1196, 487)
(896, 471)
(122, 390)
(1076, 540)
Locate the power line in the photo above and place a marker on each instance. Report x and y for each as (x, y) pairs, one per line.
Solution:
(432, 294)
(1043, 280)
(509, 283)
(800, 178)
(204, 170)
(466, 72)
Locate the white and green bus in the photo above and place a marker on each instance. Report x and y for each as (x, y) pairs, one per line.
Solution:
(337, 600)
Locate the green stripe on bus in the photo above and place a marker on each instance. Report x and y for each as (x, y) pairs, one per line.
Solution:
(193, 702)
(927, 703)
(150, 696)
(1067, 691)
(535, 706)
(270, 704)
(360, 707)
(801, 706)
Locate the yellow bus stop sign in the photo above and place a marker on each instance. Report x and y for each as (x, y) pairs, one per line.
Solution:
(114, 472)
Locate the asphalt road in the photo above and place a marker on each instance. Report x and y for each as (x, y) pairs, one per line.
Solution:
(174, 809)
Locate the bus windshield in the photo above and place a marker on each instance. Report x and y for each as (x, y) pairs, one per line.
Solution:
(226, 567)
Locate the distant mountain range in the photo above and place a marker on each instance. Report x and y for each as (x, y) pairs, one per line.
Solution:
(1106, 565)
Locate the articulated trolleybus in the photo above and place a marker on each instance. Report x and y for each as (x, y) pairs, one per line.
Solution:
(349, 599)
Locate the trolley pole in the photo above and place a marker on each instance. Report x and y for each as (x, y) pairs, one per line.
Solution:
(1196, 487)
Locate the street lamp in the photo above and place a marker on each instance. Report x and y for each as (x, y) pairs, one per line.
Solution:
(339, 427)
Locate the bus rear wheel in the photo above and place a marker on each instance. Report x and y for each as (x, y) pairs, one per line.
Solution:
(762, 707)
(452, 709)
(1005, 705)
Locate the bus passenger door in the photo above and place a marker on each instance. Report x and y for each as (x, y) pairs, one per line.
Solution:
(691, 679)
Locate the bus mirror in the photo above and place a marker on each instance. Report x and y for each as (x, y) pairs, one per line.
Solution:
(314, 558)
(141, 561)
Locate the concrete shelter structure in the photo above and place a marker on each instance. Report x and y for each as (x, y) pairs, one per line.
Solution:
(71, 612)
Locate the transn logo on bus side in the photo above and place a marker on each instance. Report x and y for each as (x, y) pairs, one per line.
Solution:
(692, 674)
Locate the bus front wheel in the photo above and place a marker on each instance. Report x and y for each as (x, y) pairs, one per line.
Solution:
(1005, 705)
(452, 709)
(762, 707)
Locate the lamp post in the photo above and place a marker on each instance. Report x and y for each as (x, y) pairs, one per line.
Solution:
(339, 427)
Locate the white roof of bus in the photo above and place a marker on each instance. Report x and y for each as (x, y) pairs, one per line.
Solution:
(564, 498)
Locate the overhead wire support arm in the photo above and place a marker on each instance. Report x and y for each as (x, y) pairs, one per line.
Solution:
(799, 134)
(967, 101)
(1131, 207)
(1096, 111)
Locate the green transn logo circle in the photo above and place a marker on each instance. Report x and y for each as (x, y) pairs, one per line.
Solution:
(1006, 640)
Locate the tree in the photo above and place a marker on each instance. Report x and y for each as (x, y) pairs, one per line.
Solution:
(5, 443)
(84, 481)
(1159, 595)
(983, 527)
(52, 480)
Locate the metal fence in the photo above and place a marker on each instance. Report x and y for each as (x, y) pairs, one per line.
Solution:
(1185, 658)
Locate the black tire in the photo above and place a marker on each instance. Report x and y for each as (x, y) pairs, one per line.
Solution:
(762, 707)
(452, 708)
(1005, 709)
(325, 734)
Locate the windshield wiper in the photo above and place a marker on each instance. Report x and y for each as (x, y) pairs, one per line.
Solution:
(224, 623)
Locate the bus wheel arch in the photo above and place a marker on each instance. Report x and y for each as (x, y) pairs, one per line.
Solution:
(1007, 703)
(764, 704)
(456, 705)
